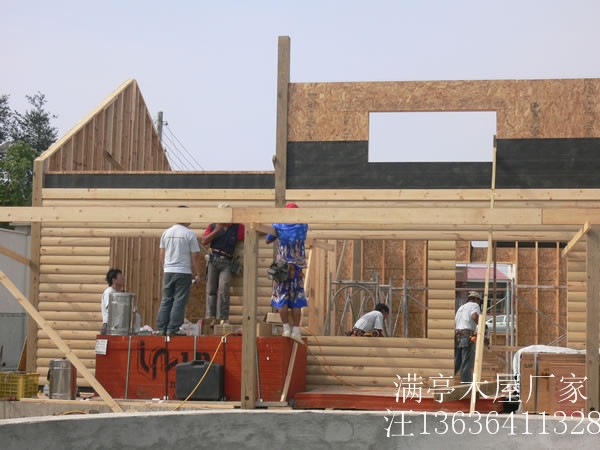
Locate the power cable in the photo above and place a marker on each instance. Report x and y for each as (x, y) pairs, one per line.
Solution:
(195, 162)
(168, 143)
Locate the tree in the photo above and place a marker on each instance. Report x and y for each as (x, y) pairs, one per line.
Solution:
(34, 126)
(16, 168)
(5, 117)
(29, 134)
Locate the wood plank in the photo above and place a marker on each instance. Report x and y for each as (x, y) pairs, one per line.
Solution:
(281, 129)
(249, 348)
(290, 371)
(333, 216)
(16, 256)
(580, 234)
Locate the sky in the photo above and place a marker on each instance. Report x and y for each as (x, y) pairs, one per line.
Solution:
(211, 66)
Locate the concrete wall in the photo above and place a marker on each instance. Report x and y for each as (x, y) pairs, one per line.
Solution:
(294, 430)
(13, 318)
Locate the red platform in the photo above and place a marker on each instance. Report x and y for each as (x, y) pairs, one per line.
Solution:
(339, 397)
(143, 367)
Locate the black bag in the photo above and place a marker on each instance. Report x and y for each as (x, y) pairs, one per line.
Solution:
(236, 267)
(278, 271)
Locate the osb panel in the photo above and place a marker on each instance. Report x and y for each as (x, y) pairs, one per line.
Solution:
(525, 108)
(478, 255)
(505, 255)
(526, 317)
(547, 304)
(463, 251)
(394, 262)
(344, 258)
(372, 258)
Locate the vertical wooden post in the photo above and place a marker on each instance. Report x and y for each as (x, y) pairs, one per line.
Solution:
(281, 132)
(481, 328)
(248, 389)
(592, 358)
(39, 168)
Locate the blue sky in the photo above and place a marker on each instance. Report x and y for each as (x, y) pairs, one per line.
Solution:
(211, 66)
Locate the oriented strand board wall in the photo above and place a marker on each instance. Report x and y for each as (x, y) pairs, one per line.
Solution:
(525, 108)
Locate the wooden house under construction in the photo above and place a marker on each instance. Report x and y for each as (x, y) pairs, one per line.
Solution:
(104, 193)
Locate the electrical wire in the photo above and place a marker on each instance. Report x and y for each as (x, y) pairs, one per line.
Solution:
(185, 164)
(195, 163)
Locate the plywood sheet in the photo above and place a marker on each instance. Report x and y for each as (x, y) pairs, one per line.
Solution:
(525, 108)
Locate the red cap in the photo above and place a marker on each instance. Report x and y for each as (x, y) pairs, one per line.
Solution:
(291, 205)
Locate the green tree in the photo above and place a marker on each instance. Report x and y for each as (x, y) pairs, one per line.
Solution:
(5, 116)
(16, 170)
(28, 135)
(34, 126)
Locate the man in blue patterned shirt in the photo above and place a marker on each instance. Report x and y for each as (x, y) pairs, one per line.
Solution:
(289, 294)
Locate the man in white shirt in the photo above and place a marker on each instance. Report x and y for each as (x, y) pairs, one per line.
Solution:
(371, 324)
(465, 321)
(116, 283)
(179, 253)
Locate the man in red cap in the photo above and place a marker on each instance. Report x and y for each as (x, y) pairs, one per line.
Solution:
(289, 294)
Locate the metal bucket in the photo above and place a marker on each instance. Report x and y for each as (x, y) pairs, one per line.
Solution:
(62, 379)
(121, 314)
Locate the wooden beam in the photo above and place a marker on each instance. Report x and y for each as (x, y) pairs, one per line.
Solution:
(39, 169)
(58, 341)
(249, 348)
(290, 371)
(310, 197)
(342, 233)
(580, 234)
(481, 327)
(281, 131)
(310, 242)
(592, 358)
(453, 218)
(112, 161)
(266, 229)
(16, 256)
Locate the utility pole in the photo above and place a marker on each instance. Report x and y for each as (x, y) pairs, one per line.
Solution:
(159, 125)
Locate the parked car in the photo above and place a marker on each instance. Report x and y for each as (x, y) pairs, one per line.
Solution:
(501, 323)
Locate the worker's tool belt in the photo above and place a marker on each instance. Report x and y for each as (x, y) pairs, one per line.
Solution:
(217, 257)
(465, 332)
(462, 338)
(278, 271)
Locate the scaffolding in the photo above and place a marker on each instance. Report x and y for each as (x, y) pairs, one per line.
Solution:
(350, 299)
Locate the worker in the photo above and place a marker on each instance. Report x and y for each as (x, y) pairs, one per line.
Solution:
(465, 322)
(371, 324)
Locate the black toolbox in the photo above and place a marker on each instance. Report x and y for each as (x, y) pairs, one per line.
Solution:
(188, 374)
